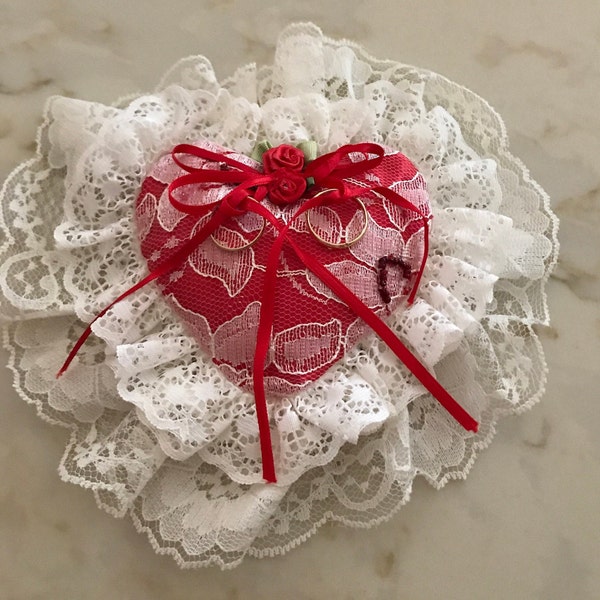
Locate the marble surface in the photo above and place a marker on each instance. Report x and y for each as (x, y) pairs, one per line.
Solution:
(525, 524)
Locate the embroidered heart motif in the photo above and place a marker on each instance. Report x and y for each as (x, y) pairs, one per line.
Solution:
(217, 291)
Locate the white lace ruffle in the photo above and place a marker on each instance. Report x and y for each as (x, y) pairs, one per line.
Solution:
(161, 432)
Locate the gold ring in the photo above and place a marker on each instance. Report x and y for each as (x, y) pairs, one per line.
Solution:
(238, 248)
(348, 243)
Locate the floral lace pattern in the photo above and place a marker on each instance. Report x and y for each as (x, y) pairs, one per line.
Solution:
(157, 430)
(312, 328)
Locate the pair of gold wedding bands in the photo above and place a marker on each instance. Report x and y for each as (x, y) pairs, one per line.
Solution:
(323, 241)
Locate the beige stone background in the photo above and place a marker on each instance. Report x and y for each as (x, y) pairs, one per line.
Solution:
(525, 524)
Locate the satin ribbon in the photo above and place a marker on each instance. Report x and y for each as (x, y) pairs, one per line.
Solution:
(329, 171)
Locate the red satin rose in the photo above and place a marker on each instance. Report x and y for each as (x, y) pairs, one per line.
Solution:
(283, 157)
(287, 186)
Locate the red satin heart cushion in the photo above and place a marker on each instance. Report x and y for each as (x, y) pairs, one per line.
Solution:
(217, 291)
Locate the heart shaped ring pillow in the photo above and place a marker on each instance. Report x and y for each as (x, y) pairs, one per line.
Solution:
(271, 302)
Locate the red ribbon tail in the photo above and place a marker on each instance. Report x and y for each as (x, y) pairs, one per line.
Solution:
(168, 266)
(263, 341)
(88, 330)
(264, 427)
(430, 383)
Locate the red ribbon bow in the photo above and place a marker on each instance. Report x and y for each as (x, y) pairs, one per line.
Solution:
(328, 172)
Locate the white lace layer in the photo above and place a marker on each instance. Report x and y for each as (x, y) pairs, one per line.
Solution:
(159, 431)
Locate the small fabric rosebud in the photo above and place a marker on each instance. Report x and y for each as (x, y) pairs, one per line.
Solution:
(286, 187)
(283, 157)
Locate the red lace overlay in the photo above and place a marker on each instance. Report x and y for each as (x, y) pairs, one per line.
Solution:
(217, 292)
